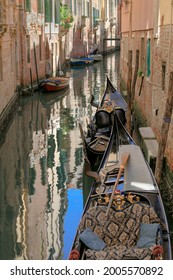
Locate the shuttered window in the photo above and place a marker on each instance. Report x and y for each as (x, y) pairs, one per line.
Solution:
(57, 11)
(40, 6)
(71, 6)
(83, 8)
(75, 7)
(48, 10)
(148, 58)
(95, 16)
(28, 5)
(88, 9)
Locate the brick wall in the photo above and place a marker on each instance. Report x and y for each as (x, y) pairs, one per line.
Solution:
(152, 99)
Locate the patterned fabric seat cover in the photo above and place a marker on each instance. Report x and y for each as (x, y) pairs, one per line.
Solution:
(119, 230)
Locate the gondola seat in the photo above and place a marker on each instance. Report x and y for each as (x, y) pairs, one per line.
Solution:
(121, 115)
(119, 231)
(103, 121)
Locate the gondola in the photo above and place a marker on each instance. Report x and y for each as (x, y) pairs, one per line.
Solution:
(124, 216)
(101, 127)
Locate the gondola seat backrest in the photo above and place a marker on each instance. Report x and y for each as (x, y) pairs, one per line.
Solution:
(121, 115)
(102, 119)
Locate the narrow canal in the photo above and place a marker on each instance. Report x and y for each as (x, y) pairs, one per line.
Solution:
(42, 186)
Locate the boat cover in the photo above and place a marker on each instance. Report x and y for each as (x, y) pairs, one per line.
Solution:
(118, 100)
(137, 174)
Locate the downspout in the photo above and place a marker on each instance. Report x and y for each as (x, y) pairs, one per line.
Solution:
(170, 47)
(130, 20)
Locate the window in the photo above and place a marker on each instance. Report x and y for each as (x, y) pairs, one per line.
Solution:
(111, 9)
(75, 7)
(83, 8)
(48, 10)
(28, 5)
(163, 75)
(40, 6)
(148, 58)
(95, 16)
(71, 6)
(88, 9)
(142, 58)
(28, 49)
(57, 11)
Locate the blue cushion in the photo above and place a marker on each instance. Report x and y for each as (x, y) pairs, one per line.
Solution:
(148, 235)
(91, 240)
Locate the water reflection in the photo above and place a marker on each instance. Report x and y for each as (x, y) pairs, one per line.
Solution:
(42, 186)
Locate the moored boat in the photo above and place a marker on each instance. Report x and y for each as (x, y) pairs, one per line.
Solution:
(96, 57)
(102, 126)
(124, 217)
(54, 83)
(83, 61)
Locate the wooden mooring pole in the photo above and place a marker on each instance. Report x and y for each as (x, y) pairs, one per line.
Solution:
(35, 59)
(135, 75)
(164, 130)
(129, 92)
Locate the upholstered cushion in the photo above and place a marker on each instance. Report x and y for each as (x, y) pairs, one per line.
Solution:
(148, 235)
(114, 230)
(91, 240)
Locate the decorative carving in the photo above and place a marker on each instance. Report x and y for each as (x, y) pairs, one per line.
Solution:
(3, 29)
(12, 30)
(34, 23)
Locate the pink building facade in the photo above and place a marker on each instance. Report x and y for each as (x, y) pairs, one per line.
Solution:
(147, 27)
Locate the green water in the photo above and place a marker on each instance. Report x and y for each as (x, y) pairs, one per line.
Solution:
(42, 186)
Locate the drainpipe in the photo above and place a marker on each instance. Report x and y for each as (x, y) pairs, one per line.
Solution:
(170, 44)
(130, 20)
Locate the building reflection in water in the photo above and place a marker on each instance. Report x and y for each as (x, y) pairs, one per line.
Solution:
(42, 186)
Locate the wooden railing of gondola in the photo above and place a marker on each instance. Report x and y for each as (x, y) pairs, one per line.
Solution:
(125, 158)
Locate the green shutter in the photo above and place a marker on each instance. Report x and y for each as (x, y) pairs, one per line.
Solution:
(148, 58)
(57, 11)
(28, 5)
(71, 5)
(40, 6)
(75, 8)
(48, 10)
(94, 16)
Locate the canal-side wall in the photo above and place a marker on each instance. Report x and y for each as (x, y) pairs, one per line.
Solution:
(166, 184)
(139, 121)
(153, 40)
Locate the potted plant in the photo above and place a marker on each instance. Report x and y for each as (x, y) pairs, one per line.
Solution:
(66, 19)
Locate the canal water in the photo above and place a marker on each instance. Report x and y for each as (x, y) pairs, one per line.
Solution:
(42, 186)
